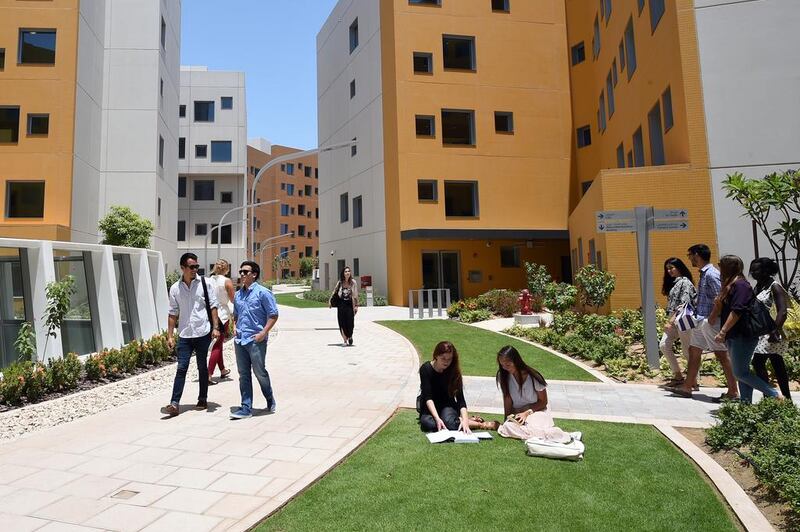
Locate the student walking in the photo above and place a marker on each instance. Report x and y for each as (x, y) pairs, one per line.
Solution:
(772, 346)
(223, 288)
(345, 299)
(255, 313)
(193, 309)
(678, 286)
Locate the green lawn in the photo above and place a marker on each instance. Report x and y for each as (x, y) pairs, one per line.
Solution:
(292, 301)
(477, 348)
(631, 478)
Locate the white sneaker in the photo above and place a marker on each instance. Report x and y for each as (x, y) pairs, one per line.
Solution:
(577, 435)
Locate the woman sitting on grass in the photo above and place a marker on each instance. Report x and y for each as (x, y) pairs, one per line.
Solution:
(441, 403)
(524, 400)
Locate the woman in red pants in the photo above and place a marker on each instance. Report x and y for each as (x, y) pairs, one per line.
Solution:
(222, 284)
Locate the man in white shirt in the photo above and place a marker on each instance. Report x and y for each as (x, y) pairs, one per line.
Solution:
(193, 308)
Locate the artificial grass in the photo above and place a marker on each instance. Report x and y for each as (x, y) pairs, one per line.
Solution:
(477, 348)
(631, 478)
(291, 300)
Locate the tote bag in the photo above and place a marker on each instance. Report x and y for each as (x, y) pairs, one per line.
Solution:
(684, 318)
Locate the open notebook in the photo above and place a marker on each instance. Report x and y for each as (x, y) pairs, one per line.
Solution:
(456, 436)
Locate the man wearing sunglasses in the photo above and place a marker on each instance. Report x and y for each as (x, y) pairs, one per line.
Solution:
(255, 312)
(193, 308)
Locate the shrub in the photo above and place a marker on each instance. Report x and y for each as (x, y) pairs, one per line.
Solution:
(538, 278)
(455, 309)
(322, 296)
(564, 322)
(36, 385)
(124, 227)
(95, 367)
(590, 326)
(471, 316)
(594, 285)
(307, 265)
(25, 343)
(15, 378)
(560, 297)
(63, 373)
(501, 302)
(172, 277)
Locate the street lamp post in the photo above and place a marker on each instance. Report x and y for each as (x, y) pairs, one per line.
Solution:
(219, 227)
(283, 159)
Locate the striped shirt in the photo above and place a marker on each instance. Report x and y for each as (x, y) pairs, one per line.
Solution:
(707, 290)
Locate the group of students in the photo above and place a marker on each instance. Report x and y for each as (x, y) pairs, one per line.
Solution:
(717, 307)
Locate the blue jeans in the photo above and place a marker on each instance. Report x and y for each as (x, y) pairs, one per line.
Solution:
(185, 348)
(741, 353)
(253, 356)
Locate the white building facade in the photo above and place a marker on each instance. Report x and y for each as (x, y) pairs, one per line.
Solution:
(212, 165)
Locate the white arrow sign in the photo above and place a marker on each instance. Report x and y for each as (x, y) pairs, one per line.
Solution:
(671, 225)
(670, 214)
(622, 226)
(602, 216)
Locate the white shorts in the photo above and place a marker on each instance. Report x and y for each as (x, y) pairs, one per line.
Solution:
(703, 337)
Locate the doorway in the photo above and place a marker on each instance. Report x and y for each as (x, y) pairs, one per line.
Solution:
(442, 269)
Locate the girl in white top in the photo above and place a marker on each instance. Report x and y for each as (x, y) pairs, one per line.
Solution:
(223, 288)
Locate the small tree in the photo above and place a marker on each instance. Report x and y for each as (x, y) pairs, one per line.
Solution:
(538, 277)
(279, 263)
(172, 277)
(25, 344)
(58, 294)
(595, 286)
(123, 227)
(560, 297)
(307, 265)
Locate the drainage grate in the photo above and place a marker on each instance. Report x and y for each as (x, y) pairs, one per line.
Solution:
(125, 494)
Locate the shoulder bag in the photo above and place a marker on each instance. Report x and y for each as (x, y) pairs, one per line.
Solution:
(335, 299)
(756, 321)
(208, 304)
(684, 318)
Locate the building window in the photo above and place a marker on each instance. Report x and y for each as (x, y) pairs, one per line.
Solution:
(461, 198)
(509, 257)
(301, 210)
(610, 92)
(585, 186)
(601, 113)
(308, 171)
(606, 6)
(182, 186)
(596, 39)
(200, 229)
(638, 148)
(316, 215)
(344, 212)
(423, 63)
(630, 49)
(161, 88)
(656, 12)
(666, 101)
(301, 230)
(284, 210)
(289, 189)
(309, 249)
(181, 230)
(226, 234)
(163, 34)
(425, 2)
(621, 156)
(614, 76)
(221, 151)
(203, 111)
(289, 168)
(353, 35)
(38, 124)
(316, 173)
(630, 158)
(181, 111)
(358, 219)
(226, 197)
(307, 188)
(427, 190)
(425, 125)
(37, 47)
(161, 151)
(182, 148)
(578, 53)
(25, 199)
(352, 89)
(226, 102)
(204, 190)
(356, 265)
(657, 156)
(584, 136)
(9, 124)
(458, 52)
(501, 6)
(200, 151)
(354, 148)
(503, 122)
(641, 6)
(284, 229)
(2, 58)
(458, 127)
(622, 55)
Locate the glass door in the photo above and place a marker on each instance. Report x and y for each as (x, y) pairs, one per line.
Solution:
(441, 269)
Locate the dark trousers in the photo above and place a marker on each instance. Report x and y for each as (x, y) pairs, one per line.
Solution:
(185, 348)
(345, 316)
(448, 414)
(782, 376)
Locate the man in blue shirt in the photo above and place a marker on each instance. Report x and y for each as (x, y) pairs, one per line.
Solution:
(255, 312)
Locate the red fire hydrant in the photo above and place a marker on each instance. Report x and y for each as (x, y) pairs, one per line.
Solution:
(525, 300)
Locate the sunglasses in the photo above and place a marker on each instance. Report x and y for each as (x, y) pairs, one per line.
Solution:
(194, 267)
(245, 272)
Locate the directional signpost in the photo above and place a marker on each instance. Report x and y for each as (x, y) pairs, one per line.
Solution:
(641, 221)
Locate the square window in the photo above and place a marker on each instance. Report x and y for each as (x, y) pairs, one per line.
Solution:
(221, 151)
(203, 111)
(353, 35)
(358, 220)
(182, 111)
(226, 234)
(181, 231)
(425, 125)
(666, 101)
(458, 127)
(182, 186)
(427, 190)
(2, 58)
(204, 190)
(308, 171)
(226, 197)
(500, 5)
(37, 47)
(578, 53)
(307, 188)
(352, 89)
(25, 199)
(200, 151)
(461, 198)
(503, 122)
(38, 124)
(423, 63)
(182, 148)
(226, 102)
(584, 136)
(301, 210)
(283, 186)
(344, 212)
(509, 257)
(200, 229)
(353, 148)
(458, 52)
(9, 124)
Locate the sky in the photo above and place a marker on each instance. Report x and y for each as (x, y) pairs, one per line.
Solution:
(274, 43)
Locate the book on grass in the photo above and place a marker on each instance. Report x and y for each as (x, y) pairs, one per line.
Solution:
(456, 436)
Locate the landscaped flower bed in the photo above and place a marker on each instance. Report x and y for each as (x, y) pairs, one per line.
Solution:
(323, 296)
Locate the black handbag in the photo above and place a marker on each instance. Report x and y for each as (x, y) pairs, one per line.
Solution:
(335, 299)
(756, 321)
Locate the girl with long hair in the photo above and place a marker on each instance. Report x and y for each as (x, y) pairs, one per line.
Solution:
(733, 303)
(345, 299)
(678, 286)
(441, 403)
(223, 287)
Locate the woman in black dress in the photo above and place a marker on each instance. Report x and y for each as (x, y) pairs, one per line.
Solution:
(345, 299)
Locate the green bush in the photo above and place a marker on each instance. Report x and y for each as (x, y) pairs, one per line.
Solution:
(15, 378)
(560, 297)
(323, 296)
(36, 385)
(594, 286)
(500, 301)
(63, 373)
(95, 367)
(538, 278)
(471, 316)
(172, 277)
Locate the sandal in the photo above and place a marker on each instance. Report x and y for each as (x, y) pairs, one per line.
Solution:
(225, 373)
(477, 419)
(725, 397)
(679, 392)
(489, 425)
